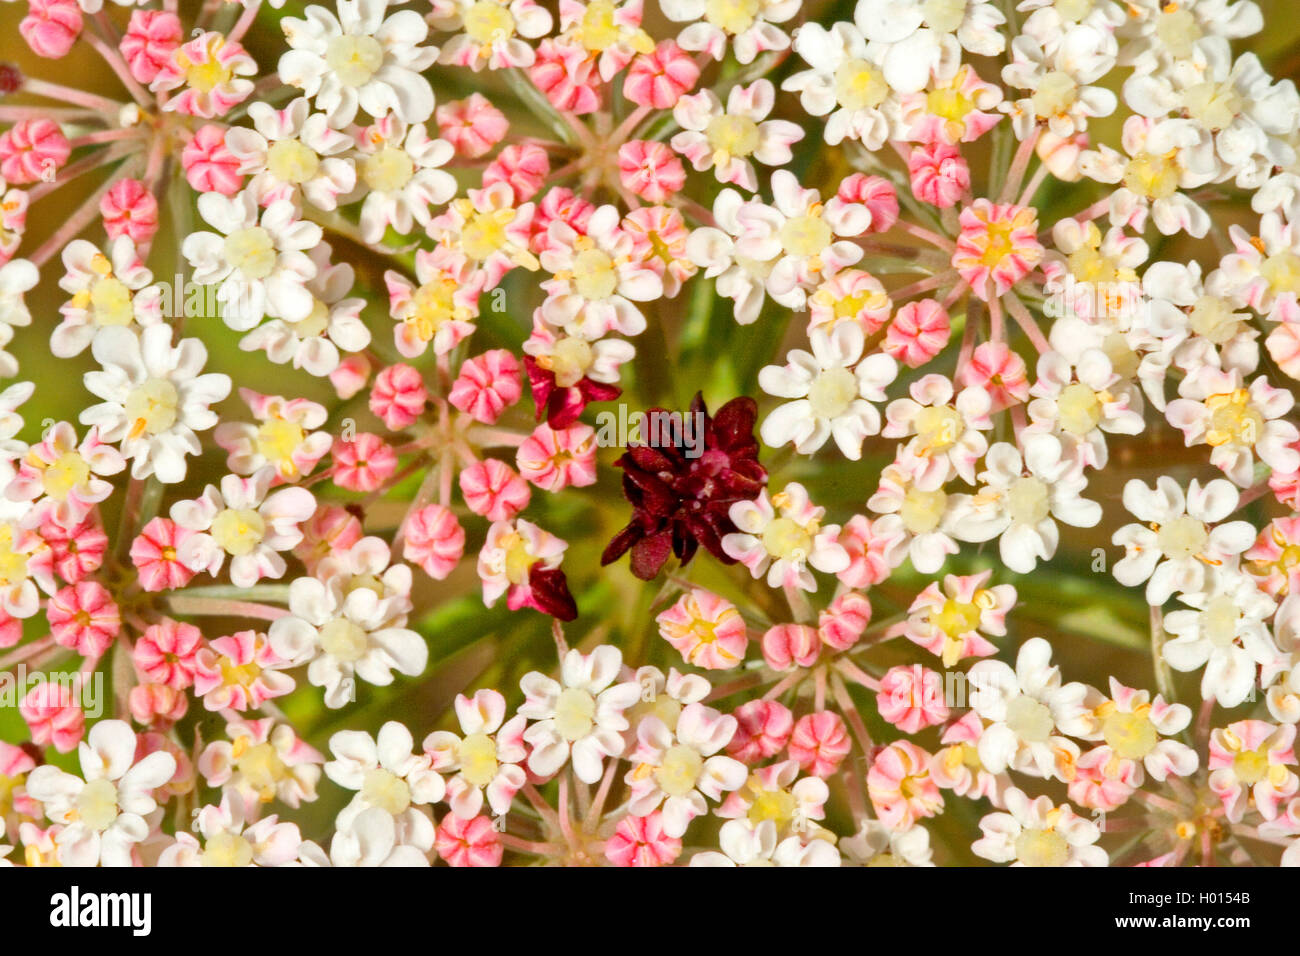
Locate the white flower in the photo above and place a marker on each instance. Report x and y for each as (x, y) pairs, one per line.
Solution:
(946, 433)
(1059, 78)
(877, 845)
(579, 716)
(384, 773)
(155, 398)
(1028, 710)
(1036, 833)
(595, 278)
(784, 536)
(399, 169)
(843, 83)
(290, 150)
(917, 515)
(17, 277)
(805, 240)
(1021, 500)
(1081, 404)
(724, 139)
(359, 58)
(333, 324)
(373, 840)
(338, 635)
(228, 842)
(1264, 270)
(103, 816)
(106, 291)
(1238, 423)
(1197, 322)
(1175, 546)
(246, 520)
(915, 36)
(258, 258)
(486, 760)
(1226, 634)
(832, 397)
(750, 25)
(746, 844)
(488, 31)
(680, 767)
(714, 249)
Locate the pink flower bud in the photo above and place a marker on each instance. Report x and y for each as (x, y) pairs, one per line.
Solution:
(157, 703)
(54, 716)
(350, 376)
(433, 539)
(911, 698)
(32, 150)
(841, 625)
(487, 385)
(398, 396)
(209, 166)
(470, 842)
(521, 166)
(129, 210)
(85, 618)
(918, 333)
(650, 170)
(877, 194)
(659, 79)
(166, 653)
(553, 459)
(493, 489)
(940, 175)
(820, 743)
(152, 36)
(788, 646)
(364, 463)
(641, 841)
(51, 27)
(763, 730)
(154, 554)
(472, 125)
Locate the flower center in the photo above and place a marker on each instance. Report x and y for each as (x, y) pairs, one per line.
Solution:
(478, 759)
(832, 392)
(519, 560)
(922, 511)
(316, 322)
(13, 564)
(1213, 105)
(488, 21)
(354, 59)
(251, 251)
(384, 789)
(485, 233)
(239, 530)
(732, 135)
(261, 766)
(343, 640)
(1178, 31)
(860, 85)
(731, 16)
(1219, 621)
(1055, 94)
(570, 359)
(151, 407)
(597, 30)
(1212, 318)
(1155, 177)
(1250, 767)
(96, 805)
(1182, 538)
(110, 302)
(209, 73)
(433, 305)
(1029, 719)
(955, 618)
(1042, 848)
(388, 170)
(227, 849)
(786, 538)
(944, 15)
(1073, 9)
(594, 276)
(292, 162)
(277, 439)
(575, 714)
(1028, 501)
(805, 236)
(1233, 420)
(1131, 736)
(1079, 409)
(938, 427)
(680, 769)
(68, 472)
(775, 805)
(1282, 272)
(239, 675)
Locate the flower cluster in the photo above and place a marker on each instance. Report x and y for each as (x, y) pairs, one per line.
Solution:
(876, 332)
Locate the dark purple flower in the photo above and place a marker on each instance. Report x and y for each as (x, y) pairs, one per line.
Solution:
(682, 488)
